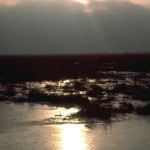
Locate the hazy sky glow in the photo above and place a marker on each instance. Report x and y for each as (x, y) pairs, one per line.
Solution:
(84, 2)
(74, 26)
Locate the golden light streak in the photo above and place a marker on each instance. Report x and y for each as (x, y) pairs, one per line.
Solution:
(73, 137)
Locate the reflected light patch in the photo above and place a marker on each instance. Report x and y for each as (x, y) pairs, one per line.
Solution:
(70, 111)
(73, 137)
(63, 82)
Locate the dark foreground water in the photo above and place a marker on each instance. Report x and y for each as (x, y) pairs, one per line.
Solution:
(27, 126)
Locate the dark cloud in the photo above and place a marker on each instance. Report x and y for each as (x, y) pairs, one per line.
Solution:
(65, 27)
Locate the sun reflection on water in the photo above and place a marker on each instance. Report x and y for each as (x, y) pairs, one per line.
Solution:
(70, 111)
(73, 137)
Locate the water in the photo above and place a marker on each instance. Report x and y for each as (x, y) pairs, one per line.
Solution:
(115, 92)
(100, 86)
(106, 87)
(27, 126)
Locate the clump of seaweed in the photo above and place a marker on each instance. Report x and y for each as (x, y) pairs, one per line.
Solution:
(136, 91)
(143, 110)
(95, 91)
(38, 96)
(94, 110)
(125, 108)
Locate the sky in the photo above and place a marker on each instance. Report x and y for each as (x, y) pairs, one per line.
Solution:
(74, 27)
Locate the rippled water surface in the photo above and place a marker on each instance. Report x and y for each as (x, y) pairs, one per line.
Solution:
(125, 91)
(29, 126)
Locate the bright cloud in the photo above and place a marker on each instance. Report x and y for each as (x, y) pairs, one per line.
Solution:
(83, 2)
